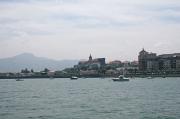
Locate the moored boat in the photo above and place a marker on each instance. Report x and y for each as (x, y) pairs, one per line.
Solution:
(51, 77)
(19, 79)
(121, 78)
(74, 78)
(150, 77)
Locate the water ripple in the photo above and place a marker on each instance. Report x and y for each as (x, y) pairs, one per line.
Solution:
(90, 99)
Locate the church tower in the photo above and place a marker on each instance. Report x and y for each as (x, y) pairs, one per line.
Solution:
(90, 58)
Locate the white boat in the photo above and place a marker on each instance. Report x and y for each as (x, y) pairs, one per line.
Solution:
(121, 78)
(150, 77)
(74, 78)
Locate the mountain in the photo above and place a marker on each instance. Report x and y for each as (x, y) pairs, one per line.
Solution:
(27, 60)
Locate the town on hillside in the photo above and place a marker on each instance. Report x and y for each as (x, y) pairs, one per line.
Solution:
(148, 64)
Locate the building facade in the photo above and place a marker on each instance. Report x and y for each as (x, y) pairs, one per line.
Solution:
(151, 62)
(91, 63)
(147, 61)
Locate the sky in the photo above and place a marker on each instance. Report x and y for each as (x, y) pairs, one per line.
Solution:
(74, 29)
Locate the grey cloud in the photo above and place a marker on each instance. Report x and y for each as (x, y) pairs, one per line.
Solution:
(27, 1)
(56, 29)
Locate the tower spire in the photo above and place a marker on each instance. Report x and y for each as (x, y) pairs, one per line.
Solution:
(90, 58)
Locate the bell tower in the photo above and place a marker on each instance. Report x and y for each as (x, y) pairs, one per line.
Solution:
(90, 58)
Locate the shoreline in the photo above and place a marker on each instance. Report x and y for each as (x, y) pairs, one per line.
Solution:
(129, 76)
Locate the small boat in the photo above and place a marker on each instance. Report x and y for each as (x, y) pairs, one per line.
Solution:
(51, 77)
(150, 77)
(74, 78)
(121, 78)
(19, 79)
(164, 75)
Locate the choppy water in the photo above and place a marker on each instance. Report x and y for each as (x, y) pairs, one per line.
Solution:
(90, 99)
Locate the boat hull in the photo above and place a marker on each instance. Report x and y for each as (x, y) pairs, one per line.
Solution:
(120, 79)
(74, 78)
(19, 80)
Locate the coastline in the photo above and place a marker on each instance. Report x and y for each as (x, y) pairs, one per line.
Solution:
(93, 76)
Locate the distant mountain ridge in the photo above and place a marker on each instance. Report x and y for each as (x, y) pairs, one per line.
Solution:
(28, 60)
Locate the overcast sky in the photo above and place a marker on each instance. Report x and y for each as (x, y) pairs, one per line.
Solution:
(72, 29)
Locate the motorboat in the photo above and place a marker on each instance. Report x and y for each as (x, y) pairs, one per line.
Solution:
(150, 77)
(74, 78)
(19, 79)
(121, 78)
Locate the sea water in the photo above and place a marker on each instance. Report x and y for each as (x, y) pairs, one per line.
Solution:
(90, 98)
